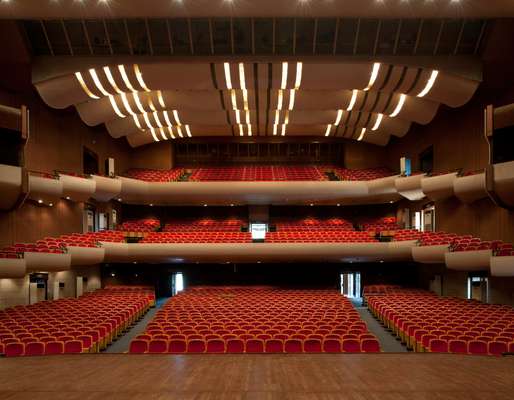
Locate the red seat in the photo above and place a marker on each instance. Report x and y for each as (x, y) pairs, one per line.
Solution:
(369, 345)
(73, 347)
(293, 346)
(15, 349)
(496, 348)
(312, 346)
(458, 346)
(235, 346)
(254, 346)
(332, 346)
(158, 346)
(477, 347)
(138, 346)
(215, 346)
(274, 346)
(196, 346)
(53, 348)
(351, 345)
(177, 346)
(438, 346)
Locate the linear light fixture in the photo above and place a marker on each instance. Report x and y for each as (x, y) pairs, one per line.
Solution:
(82, 83)
(338, 118)
(292, 94)
(241, 132)
(228, 79)
(125, 78)
(277, 117)
(249, 129)
(283, 129)
(378, 122)
(179, 131)
(115, 107)
(247, 117)
(161, 99)
(170, 130)
(147, 121)
(399, 106)
(374, 76)
(126, 104)
(242, 80)
(161, 130)
(155, 138)
(188, 131)
(280, 99)
(430, 84)
(139, 77)
(329, 127)
(238, 117)
(167, 118)
(150, 102)
(233, 98)
(177, 119)
(352, 100)
(361, 136)
(110, 79)
(245, 99)
(283, 85)
(298, 81)
(97, 82)
(157, 120)
(275, 126)
(136, 121)
(137, 100)
(286, 119)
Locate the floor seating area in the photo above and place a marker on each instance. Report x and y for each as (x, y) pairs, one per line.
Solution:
(426, 322)
(86, 324)
(140, 225)
(255, 320)
(379, 225)
(231, 224)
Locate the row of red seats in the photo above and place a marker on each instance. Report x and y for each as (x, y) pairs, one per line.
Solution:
(230, 224)
(258, 173)
(87, 324)
(465, 243)
(361, 174)
(151, 175)
(426, 322)
(140, 225)
(237, 345)
(198, 237)
(252, 315)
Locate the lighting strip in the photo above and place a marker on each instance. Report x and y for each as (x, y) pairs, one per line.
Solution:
(150, 102)
(338, 118)
(177, 119)
(247, 117)
(378, 122)
(82, 83)
(139, 77)
(139, 106)
(292, 94)
(115, 107)
(188, 131)
(241, 131)
(157, 120)
(329, 127)
(299, 68)
(284, 75)
(374, 76)
(228, 79)
(167, 118)
(430, 84)
(112, 82)
(277, 117)
(363, 131)
(399, 106)
(161, 99)
(136, 121)
(233, 98)
(126, 104)
(179, 130)
(274, 129)
(249, 129)
(280, 99)
(162, 133)
(238, 117)
(170, 130)
(283, 130)
(352, 100)
(125, 78)
(97, 82)
(242, 80)
(147, 120)
(152, 130)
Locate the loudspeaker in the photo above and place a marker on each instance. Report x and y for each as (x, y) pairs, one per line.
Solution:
(109, 167)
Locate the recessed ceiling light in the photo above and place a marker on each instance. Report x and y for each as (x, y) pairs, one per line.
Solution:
(51, 204)
(68, 198)
(205, 205)
(40, 201)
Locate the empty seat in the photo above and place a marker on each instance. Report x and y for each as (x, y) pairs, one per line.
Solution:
(138, 346)
(54, 348)
(496, 348)
(369, 345)
(332, 346)
(157, 346)
(177, 346)
(312, 346)
(438, 346)
(351, 345)
(274, 346)
(254, 346)
(458, 346)
(293, 346)
(477, 347)
(235, 346)
(196, 346)
(215, 346)
(15, 349)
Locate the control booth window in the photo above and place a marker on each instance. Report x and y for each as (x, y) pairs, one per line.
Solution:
(258, 231)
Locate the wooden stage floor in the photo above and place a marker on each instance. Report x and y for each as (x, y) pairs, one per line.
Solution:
(211, 377)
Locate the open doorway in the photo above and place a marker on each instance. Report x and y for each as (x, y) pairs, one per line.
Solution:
(478, 288)
(177, 283)
(351, 285)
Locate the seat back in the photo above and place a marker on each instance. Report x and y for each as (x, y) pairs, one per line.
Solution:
(332, 346)
(293, 346)
(369, 345)
(312, 346)
(274, 346)
(496, 348)
(158, 346)
(351, 345)
(235, 345)
(53, 348)
(215, 346)
(477, 347)
(254, 346)
(196, 346)
(138, 346)
(177, 346)
(458, 346)
(73, 347)
(14, 349)
(438, 346)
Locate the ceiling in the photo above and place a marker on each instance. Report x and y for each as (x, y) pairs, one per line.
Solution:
(262, 8)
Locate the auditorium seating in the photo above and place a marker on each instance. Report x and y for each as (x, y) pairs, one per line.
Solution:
(140, 225)
(255, 320)
(380, 224)
(426, 322)
(86, 324)
(369, 174)
(153, 175)
(198, 237)
(230, 224)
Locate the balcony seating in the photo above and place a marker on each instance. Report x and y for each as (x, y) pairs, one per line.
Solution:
(380, 225)
(86, 324)
(140, 225)
(205, 225)
(256, 320)
(198, 237)
(426, 322)
(360, 174)
(151, 175)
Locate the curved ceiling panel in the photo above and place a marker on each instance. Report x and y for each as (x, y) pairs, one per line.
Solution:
(170, 100)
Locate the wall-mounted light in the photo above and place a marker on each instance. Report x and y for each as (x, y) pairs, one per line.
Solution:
(82, 83)
(355, 92)
(430, 84)
(374, 76)
(399, 106)
(378, 122)
(361, 136)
